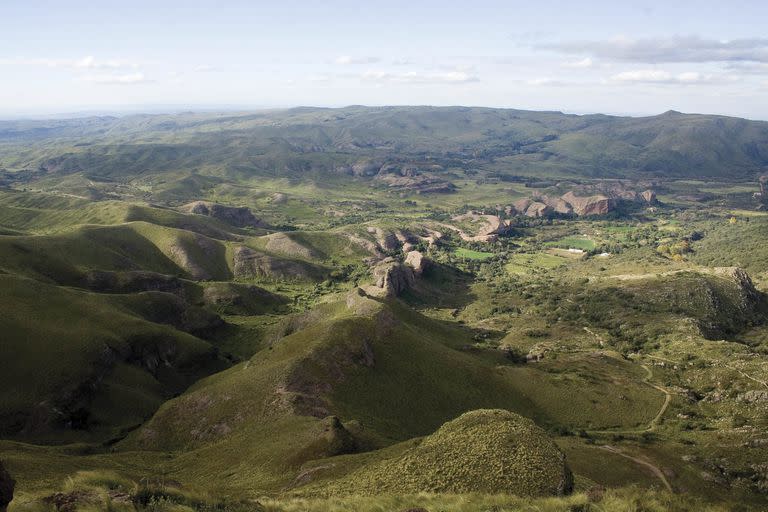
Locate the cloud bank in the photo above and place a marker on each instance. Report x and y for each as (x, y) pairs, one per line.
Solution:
(677, 49)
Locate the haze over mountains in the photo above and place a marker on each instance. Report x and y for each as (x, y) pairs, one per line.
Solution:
(306, 140)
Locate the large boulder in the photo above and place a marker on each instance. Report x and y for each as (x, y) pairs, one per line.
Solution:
(538, 209)
(390, 278)
(417, 261)
(597, 204)
(480, 227)
(7, 484)
(649, 196)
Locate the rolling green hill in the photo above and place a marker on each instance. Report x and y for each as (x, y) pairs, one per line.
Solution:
(383, 308)
(308, 143)
(90, 364)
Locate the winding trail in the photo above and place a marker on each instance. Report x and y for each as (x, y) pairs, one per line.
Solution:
(747, 375)
(743, 373)
(656, 419)
(654, 469)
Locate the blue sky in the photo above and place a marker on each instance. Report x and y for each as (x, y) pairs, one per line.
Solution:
(615, 57)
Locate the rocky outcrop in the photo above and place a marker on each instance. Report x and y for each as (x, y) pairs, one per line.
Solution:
(195, 256)
(481, 227)
(283, 243)
(420, 184)
(521, 205)
(279, 198)
(749, 296)
(596, 199)
(366, 168)
(390, 278)
(368, 245)
(405, 177)
(241, 299)
(170, 309)
(249, 263)
(560, 205)
(240, 217)
(417, 261)
(387, 241)
(7, 485)
(590, 205)
(649, 196)
(538, 209)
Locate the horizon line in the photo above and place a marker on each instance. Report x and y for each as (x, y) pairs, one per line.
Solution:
(171, 109)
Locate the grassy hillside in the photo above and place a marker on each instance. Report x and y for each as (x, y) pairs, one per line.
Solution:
(87, 362)
(480, 451)
(350, 362)
(330, 331)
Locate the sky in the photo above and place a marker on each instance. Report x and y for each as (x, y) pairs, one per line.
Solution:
(616, 57)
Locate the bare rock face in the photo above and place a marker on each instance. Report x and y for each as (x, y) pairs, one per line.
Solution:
(281, 243)
(366, 168)
(598, 204)
(279, 198)
(555, 204)
(649, 196)
(419, 183)
(417, 261)
(749, 296)
(560, 205)
(187, 255)
(483, 227)
(249, 263)
(391, 278)
(7, 484)
(386, 240)
(240, 217)
(538, 209)
(521, 205)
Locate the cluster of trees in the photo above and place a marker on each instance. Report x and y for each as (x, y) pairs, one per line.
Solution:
(676, 251)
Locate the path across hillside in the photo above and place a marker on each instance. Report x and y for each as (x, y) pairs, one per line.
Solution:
(656, 419)
(654, 469)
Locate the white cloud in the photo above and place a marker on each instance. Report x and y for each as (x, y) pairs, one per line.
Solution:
(667, 49)
(87, 62)
(748, 68)
(91, 62)
(415, 77)
(545, 81)
(204, 68)
(658, 76)
(583, 63)
(119, 79)
(346, 60)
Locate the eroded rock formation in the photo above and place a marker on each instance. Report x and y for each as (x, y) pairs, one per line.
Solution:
(240, 217)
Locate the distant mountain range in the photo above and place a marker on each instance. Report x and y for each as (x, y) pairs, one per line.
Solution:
(307, 141)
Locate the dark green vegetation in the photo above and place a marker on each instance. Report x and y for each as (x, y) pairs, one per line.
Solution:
(342, 309)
